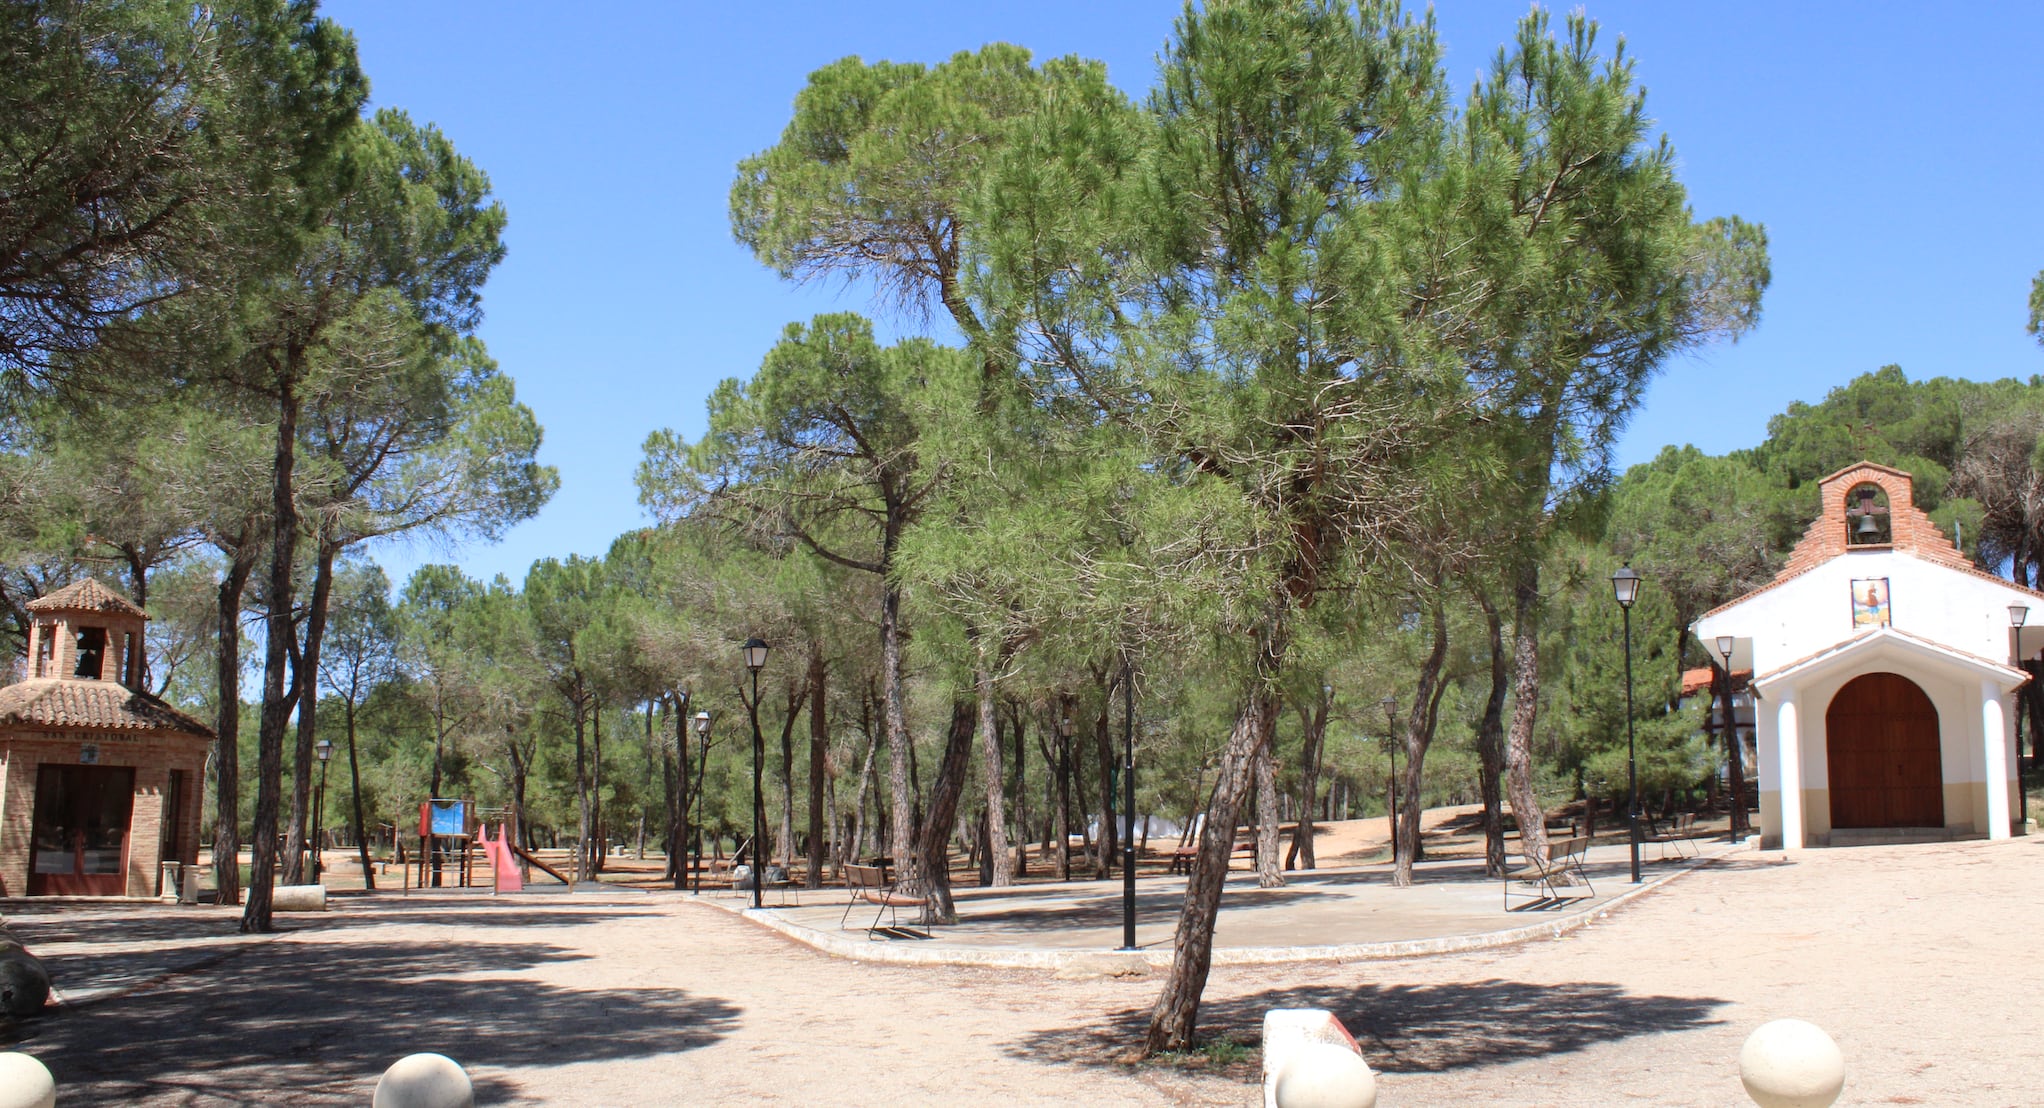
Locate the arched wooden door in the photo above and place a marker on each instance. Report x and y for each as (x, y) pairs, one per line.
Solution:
(1881, 740)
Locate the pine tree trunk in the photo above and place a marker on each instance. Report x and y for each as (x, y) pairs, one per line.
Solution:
(1490, 745)
(786, 834)
(929, 870)
(585, 818)
(355, 792)
(227, 766)
(819, 752)
(307, 676)
(1419, 735)
(278, 632)
(1314, 725)
(1269, 875)
(1103, 746)
(1176, 1014)
(1003, 863)
(1526, 809)
(1021, 789)
(901, 829)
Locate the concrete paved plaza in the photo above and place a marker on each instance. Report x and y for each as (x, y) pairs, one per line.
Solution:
(1917, 959)
(1343, 913)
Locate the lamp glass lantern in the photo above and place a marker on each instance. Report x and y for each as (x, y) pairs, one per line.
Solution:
(755, 654)
(324, 748)
(1625, 585)
(702, 723)
(2019, 614)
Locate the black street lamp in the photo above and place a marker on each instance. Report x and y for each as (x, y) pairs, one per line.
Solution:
(1390, 704)
(1625, 587)
(325, 749)
(1735, 751)
(689, 829)
(755, 659)
(1128, 804)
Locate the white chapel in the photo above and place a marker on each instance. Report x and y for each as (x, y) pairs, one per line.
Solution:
(1884, 671)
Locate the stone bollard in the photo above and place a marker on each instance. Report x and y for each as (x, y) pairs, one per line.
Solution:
(298, 898)
(1791, 1064)
(1311, 1061)
(424, 1081)
(24, 982)
(25, 1083)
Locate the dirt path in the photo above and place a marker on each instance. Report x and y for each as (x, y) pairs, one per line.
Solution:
(635, 1000)
(1917, 959)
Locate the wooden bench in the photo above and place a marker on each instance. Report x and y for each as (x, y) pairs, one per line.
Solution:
(1558, 880)
(869, 885)
(1682, 829)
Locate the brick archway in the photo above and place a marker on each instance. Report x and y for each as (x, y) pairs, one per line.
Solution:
(1881, 748)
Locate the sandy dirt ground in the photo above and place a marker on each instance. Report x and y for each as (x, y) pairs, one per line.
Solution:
(1917, 959)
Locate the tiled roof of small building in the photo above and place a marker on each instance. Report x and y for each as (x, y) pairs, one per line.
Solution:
(86, 596)
(58, 702)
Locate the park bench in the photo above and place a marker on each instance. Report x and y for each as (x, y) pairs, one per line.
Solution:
(1554, 881)
(869, 885)
(1680, 830)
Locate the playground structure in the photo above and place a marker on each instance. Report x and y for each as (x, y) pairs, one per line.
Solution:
(448, 838)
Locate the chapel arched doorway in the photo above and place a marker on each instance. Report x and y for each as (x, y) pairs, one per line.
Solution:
(1881, 742)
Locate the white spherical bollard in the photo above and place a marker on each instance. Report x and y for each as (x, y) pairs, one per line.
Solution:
(26, 1083)
(1791, 1064)
(424, 1081)
(1326, 1075)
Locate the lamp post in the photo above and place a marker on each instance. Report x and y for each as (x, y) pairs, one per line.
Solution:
(688, 823)
(1128, 804)
(755, 660)
(2019, 614)
(325, 749)
(1390, 704)
(1625, 587)
(1735, 752)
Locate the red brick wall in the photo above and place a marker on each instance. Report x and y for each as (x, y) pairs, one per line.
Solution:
(153, 754)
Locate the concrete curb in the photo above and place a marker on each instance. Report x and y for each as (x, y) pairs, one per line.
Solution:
(862, 949)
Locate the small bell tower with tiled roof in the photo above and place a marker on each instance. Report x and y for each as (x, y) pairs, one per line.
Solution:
(86, 632)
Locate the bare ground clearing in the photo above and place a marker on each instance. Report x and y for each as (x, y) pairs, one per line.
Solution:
(1915, 958)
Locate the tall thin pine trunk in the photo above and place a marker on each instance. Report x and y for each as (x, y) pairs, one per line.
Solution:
(1268, 873)
(227, 766)
(1003, 863)
(819, 751)
(278, 631)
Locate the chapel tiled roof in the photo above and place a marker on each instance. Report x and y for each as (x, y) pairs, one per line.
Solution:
(58, 702)
(87, 596)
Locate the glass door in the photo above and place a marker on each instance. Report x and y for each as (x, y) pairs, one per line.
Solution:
(79, 843)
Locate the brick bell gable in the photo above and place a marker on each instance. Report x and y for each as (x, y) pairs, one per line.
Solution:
(1909, 529)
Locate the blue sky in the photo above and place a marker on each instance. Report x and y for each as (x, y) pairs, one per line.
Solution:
(1890, 150)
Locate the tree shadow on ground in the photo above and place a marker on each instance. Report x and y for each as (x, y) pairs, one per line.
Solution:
(1412, 1028)
(309, 1024)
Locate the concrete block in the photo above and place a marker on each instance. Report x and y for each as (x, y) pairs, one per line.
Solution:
(26, 1083)
(298, 898)
(1791, 1064)
(1325, 1075)
(424, 1081)
(1287, 1030)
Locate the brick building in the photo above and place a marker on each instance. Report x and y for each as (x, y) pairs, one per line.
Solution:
(1884, 665)
(99, 780)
